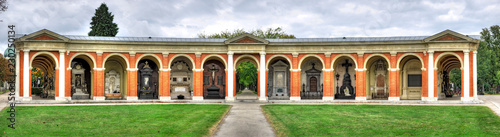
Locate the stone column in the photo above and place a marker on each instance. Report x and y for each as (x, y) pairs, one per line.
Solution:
(198, 78)
(295, 78)
(262, 76)
(26, 76)
(132, 78)
(466, 84)
(393, 76)
(230, 77)
(430, 76)
(165, 78)
(360, 79)
(18, 75)
(327, 78)
(62, 74)
(99, 78)
(474, 74)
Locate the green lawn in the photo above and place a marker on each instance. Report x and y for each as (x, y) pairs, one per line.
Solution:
(382, 120)
(115, 120)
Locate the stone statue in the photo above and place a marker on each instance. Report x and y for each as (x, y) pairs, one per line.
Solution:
(78, 81)
(111, 84)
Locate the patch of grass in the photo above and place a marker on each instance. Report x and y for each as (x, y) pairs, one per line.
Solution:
(114, 120)
(382, 120)
(1, 92)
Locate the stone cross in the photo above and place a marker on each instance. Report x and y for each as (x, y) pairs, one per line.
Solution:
(346, 65)
(213, 69)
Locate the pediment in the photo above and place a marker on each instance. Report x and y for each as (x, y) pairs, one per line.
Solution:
(246, 39)
(44, 35)
(447, 36)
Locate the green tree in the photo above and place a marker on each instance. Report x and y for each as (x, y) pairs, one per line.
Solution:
(247, 73)
(484, 67)
(5, 74)
(456, 77)
(102, 23)
(270, 33)
(35, 74)
(488, 57)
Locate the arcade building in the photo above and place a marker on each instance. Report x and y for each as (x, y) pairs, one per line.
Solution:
(324, 69)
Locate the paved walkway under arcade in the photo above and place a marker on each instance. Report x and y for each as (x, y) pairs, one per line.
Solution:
(246, 117)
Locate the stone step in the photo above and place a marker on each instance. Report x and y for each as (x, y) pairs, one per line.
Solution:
(247, 97)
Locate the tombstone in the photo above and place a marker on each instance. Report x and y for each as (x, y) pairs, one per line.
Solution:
(313, 88)
(38, 81)
(445, 82)
(213, 91)
(380, 82)
(112, 87)
(78, 83)
(279, 81)
(146, 85)
(346, 91)
(180, 80)
(214, 80)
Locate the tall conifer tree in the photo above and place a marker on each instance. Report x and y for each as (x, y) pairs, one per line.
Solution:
(102, 23)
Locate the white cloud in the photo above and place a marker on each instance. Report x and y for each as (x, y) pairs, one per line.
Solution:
(299, 17)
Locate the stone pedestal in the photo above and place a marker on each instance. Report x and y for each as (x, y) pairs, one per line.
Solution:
(78, 83)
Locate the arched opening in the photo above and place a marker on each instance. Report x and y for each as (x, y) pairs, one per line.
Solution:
(344, 78)
(115, 77)
(43, 77)
(449, 79)
(82, 77)
(214, 83)
(279, 79)
(246, 73)
(377, 78)
(311, 78)
(147, 79)
(181, 78)
(410, 78)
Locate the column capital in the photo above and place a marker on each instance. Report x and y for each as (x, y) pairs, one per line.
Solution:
(26, 50)
(295, 54)
(62, 51)
(262, 53)
(99, 53)
(197, 54)
(360, 53)
(393, 53)
(466, 51)
(328, 54)
(430, 52)
(231, 53)
(474, 52)
(131, 53)
(165, 54)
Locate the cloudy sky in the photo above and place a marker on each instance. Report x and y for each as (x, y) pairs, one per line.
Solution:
(305, 19)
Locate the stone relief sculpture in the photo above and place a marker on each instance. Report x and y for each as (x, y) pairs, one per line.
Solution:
(112, 84)
(78, 83)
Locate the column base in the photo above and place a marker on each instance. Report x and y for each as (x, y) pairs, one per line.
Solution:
(63, 98)
(229, 99)
(467, 98)
(327, 98)
(25, 98)
(429, 99)
(360, 98)
(263, 99)
(132, 98)
(99, 98)
(295, 98)
(198, 98)
(393, 98)
(165, 98)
